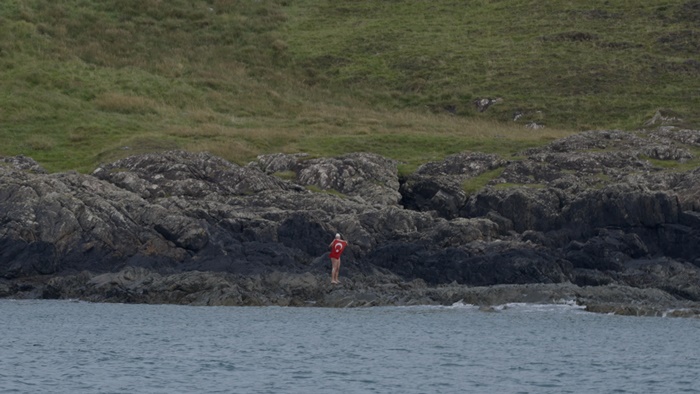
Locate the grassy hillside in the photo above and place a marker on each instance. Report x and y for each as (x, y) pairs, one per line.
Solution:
(582, 65)
(87, 81)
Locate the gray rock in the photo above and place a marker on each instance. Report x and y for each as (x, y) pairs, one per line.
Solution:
(588, 218)
(439, 186)
(134, 285)
(22, 163)
(185, 174)
(370, 177)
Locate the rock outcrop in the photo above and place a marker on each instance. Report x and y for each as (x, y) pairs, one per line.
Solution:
(584, 218)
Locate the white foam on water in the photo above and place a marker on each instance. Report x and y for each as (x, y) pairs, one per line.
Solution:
(456, 305)
(556, 305)
(462, 305)
(679, 312)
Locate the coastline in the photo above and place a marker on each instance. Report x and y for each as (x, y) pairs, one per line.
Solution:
(308, 290)
(605, 219)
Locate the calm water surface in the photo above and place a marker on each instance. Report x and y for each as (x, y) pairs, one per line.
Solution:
(76, 347)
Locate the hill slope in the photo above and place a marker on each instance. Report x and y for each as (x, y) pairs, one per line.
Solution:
(89, 81)
(583, 65)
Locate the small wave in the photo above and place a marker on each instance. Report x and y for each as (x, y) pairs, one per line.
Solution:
(456, 305)
(556, 305)
(552, 307)
(462, 305)
(681, 312)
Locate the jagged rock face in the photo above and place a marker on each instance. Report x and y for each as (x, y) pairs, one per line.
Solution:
(687, 187)
(475, 264)
(186, 211)
(438, 186)
(370, 178)
(526, 208)
(589, 209)
(608, 250)
(185, 174)
(71, 221)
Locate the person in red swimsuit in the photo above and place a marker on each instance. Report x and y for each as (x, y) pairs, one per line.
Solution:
(337, 247)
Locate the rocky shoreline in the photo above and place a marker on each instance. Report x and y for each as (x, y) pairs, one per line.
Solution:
(138, 285)
(605, 219)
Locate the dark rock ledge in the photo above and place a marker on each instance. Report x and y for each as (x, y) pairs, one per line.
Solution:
(605, 219)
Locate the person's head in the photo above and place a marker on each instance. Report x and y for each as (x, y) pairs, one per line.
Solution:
(337, 236)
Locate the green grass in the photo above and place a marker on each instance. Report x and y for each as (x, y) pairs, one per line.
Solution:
(502, 186)
(333, 192)
(528, 53)
(477, 183)
(87, 81)
(598, 64)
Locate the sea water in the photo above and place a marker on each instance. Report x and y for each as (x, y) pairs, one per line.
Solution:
(78, 347)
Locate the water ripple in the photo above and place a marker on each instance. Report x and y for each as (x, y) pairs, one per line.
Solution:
(67, 347)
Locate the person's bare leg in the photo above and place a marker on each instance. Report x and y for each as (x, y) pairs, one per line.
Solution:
(337, 271)
(334, 271)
